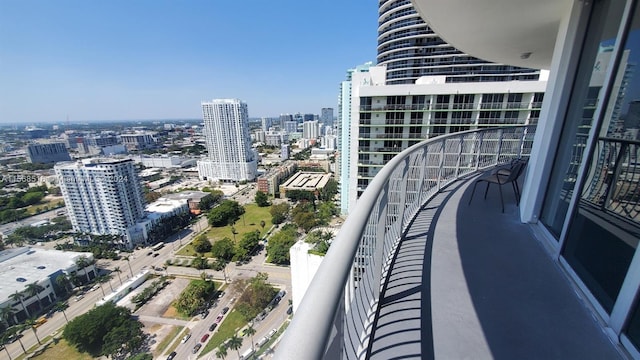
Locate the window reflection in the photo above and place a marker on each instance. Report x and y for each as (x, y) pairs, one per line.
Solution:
(604, 233)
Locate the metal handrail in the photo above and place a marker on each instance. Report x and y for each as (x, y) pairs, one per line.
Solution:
(335, 316)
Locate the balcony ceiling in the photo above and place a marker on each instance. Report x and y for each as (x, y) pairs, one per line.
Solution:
(502, 31)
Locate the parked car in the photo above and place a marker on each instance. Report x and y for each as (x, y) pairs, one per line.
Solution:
(205, 314)
(289, 310)
(185, 338)
(172, 355)
(272, 332)
(213, 326)
(197, 347)
(204, 338)
(219, 318)
(225, 309)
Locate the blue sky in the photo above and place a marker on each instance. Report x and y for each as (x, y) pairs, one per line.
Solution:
(157, 59)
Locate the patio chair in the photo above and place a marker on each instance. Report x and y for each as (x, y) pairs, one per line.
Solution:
(501, 177)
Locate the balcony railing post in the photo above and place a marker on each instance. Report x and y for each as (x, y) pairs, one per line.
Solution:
(460, 146)
(403, 194)
(499, 149)
(479, 152)
(441, 164)
(611, 188)
(423, 167)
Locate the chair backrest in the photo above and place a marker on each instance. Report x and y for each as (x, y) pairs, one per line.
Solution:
(516, 170)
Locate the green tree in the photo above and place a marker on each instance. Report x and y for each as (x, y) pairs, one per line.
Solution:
(200, 263)
(257, 294)
(105, 330)
(30, 322)
(193, 298)
(118, 271)
(249, 331)
(227, 212)
(262, 200)
(34, 289)
(221, 352)
(280, 243)
(329, 191)
(235, 343)
(19, 296)
(279, 213)
(223, 249)
(221, 264)
(306, 221)
(61, 306)
(201, 244)
(7, 315)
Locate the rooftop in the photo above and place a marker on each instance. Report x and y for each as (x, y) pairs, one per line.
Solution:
(32, 264)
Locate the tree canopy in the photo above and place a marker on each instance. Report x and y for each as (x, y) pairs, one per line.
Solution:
(201, 244)
(193, 298)
(106, 330)
(226, 213)
(279, 213)
(223, 249)
(280, 243)
(256, 296)
(262, 199)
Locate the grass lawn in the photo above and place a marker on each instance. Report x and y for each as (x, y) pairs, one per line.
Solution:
(50, 204)
(248, 222)
(230, 325)
(175, 330)
(61, 351)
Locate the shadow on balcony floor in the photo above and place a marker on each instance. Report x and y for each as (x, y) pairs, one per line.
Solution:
(470, 282)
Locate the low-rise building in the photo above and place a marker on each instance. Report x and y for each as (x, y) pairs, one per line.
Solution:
(269, 183)
(306, 181)
(47, 152)
(22, 267)
(193, 199)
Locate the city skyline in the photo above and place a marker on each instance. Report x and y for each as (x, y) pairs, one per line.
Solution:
(152, 61)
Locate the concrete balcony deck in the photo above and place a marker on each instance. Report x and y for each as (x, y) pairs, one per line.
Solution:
(471, 282)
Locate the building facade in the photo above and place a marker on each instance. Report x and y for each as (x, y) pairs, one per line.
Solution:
(102, 196)
(410, 49)
(226, 129)
(387, 119)
(47, 153)
(326, 116)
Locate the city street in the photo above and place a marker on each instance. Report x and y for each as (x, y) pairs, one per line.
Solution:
(139, 260)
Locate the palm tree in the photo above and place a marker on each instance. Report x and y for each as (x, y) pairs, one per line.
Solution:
(221, 264)
(82, 262)
(262, 224)
(221, 352)
(128, 263)
(34, 289)
(249, 332)
(234, 232)
(63, 281)
(7, 314)
(31, 322)
(235, 343)
(118, 271)
(100, 280)
(3, 339)
(61, 306)
(18, 296)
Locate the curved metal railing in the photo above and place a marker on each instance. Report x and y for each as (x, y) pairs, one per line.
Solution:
(335, 317)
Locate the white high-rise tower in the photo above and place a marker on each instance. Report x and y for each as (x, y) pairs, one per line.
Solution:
(226, 129)
(102, 196)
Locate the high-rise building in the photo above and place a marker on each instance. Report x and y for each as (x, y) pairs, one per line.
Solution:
(428, 88)
(226, 130)
(409, 49)
(310, 130)
(47, 152)
(102, 196)
(326, 116)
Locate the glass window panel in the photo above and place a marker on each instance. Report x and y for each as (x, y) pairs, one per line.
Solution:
(604, 20)
(603, 235)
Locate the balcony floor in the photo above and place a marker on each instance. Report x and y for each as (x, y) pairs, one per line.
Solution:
(470, 282)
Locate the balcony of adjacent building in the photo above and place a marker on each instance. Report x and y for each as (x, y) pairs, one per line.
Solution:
(424, 272)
